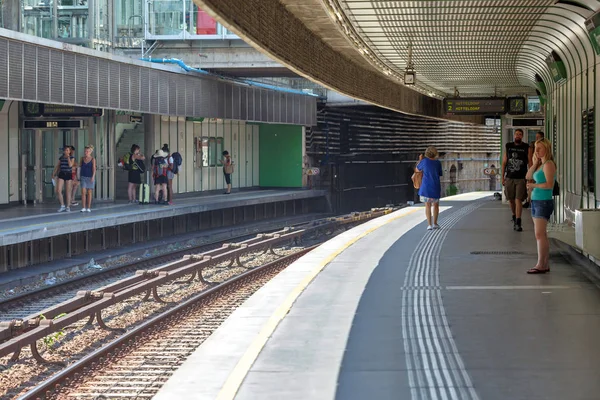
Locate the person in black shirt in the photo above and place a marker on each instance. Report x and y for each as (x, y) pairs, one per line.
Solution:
(515, 164)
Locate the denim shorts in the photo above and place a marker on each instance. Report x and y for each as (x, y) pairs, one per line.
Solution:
(542, 208)
(86, 182)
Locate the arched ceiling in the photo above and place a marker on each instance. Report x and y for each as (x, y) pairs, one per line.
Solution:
(360, 47)
(477, 47)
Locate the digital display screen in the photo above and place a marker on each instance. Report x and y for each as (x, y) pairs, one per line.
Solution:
(474, 106)
(57, 110)
(69, 124)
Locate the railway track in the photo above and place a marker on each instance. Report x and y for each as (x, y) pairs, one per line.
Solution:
(26, 304)
(122, 307)
(137, 364)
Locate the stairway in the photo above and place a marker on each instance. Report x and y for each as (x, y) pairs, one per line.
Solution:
(128, 139)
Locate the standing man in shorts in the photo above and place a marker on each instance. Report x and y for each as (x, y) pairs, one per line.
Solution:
(515, 164)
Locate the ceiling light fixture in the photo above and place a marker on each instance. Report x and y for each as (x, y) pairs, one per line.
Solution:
(409, 72)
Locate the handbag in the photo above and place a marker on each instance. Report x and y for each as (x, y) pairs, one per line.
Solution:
(417, 178)
(556, 189)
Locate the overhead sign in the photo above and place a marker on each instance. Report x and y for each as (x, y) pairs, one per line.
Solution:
(475, 106)
(313, 171)
(68, 124)
(135, 118)
(57, 110)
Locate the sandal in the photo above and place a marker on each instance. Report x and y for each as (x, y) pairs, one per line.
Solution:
(538, 271)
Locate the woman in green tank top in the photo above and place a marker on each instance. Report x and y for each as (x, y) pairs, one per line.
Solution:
(543, 174)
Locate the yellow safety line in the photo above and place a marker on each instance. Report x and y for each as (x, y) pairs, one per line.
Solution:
(237, 376)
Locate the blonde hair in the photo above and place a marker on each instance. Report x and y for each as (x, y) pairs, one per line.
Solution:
(431, 152)
(90, 146)
(548, 146)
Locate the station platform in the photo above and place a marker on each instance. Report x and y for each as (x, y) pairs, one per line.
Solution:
(31, 235)
(389, 310)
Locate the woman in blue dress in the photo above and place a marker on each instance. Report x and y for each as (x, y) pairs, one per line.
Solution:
(430, 190)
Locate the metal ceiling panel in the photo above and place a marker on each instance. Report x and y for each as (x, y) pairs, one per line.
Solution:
(477, 47)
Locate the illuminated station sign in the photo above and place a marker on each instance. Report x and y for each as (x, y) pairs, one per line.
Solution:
(474, 106)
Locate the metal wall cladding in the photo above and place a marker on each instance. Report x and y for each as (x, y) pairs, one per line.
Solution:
(372, 130)
(3, 68)
(81, 69)
(15, 69)
(29, 73)
(69, 78)
(33, 72)
(92, 82)
(43, 74)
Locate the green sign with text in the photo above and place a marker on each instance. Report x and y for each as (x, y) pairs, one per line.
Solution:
(475, 106)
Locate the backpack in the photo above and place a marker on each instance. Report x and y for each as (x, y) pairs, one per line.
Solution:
(160, 167)
(140, 165)
(177, 160)
(126, 162)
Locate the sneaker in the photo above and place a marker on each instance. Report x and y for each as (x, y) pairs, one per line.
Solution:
(429, 227)
(62, 209)
(68, 209)
(75, 203)
(436, 226)
(518, 228)
(83, 210)
(88, 210)
(170, 203)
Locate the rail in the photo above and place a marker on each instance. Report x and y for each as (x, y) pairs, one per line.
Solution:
(53, 385)
(17, 334)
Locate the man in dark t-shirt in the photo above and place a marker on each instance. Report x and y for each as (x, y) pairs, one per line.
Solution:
(515, 163)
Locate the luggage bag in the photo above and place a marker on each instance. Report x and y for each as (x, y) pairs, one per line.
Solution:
(144, 192)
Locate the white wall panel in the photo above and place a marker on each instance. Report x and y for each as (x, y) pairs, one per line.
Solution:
(196, 170)
(249, 145)
(186, 150)
(205, 170)
(217, 172)
(241, 166)
(13, 149)
(255, 155)
(6, 163)
(239, 138)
